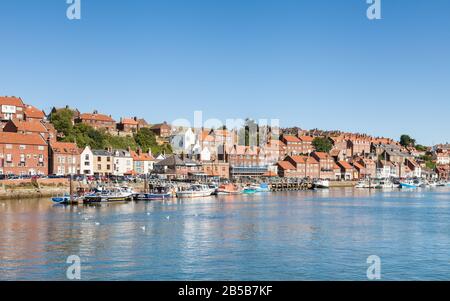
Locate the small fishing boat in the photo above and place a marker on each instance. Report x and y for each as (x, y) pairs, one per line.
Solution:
(227, 189)
(66, 200)
(106, 196)
(263, 187)
(321, 184)
(249, 190)
(196, 190)
(410, 184)
(157, 193)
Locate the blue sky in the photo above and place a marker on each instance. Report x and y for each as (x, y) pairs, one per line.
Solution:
(308, 63)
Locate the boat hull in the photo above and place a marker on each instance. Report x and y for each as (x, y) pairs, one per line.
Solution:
(152, 196)
(193, 194)
(407, 185)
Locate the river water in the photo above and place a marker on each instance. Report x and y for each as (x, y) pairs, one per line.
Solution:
(312, 235)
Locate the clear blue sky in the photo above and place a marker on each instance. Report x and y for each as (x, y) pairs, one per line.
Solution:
(318, 63)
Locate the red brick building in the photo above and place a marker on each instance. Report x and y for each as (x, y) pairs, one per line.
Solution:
(11, 107)
(33, 114)
(26, 127)
(306, 145)
(97, 121)
(128, 125)
(304, 167)
(162, 130)
(23, 154)
(326, 165)
(293, 145)
(64, 159)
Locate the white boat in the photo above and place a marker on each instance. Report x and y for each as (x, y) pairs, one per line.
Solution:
(323, 184)
(363, 184)
(116, 194)
(195, 191)
(385, 184)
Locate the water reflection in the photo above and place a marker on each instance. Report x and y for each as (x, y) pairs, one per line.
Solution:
(324, 234)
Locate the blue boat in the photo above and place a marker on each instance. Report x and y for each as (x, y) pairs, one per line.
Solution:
(249, 191)
(65, 200)
(410, 184)
(151, 196)
(263, 187)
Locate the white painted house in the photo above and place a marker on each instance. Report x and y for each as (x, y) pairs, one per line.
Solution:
(87, 162)
(123, 162)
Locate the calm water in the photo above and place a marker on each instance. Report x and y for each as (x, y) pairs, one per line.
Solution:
(321, 235)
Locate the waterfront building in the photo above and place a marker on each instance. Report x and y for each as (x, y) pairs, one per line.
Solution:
(87, 162)
(142, 162)
(216, 169)
(339, 150)
(305, 166)
(11, 108)
(347, 171)
(414, 167)
(98, 121)
(23, 154)
(122, 162)
(370, 167)
(326, 164)
(176, 167)
(387, 169)
(103, 162)
(64, 159)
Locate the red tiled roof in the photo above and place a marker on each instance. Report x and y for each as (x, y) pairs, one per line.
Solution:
(358, 166)
(25, 139)
(302, 159)
(33, 112)
(322, 155)
(345, 165)
(65, 148)
(129, 121)
(97, 117)
(286, 165)
(290, 138)
(11, 101)
(306, 138)
(141, 157)
(29, 126)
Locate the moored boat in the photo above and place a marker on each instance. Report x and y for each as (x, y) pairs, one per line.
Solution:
(226, 189)
(410, 184)
(156, 193)
(196, 190)
(107, 196)
(321, 184)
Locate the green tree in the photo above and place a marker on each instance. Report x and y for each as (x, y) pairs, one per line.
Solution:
(406, 140)
(322, 144)
(146, 139)
(62, 121)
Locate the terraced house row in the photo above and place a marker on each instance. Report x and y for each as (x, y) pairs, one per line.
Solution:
(29, 145)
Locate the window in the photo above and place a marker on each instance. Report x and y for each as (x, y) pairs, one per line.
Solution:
(99, 166)
(99, 159)
(8, 158)
(8, 146)
(40, 147)
(86, 157)
(22, 147)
